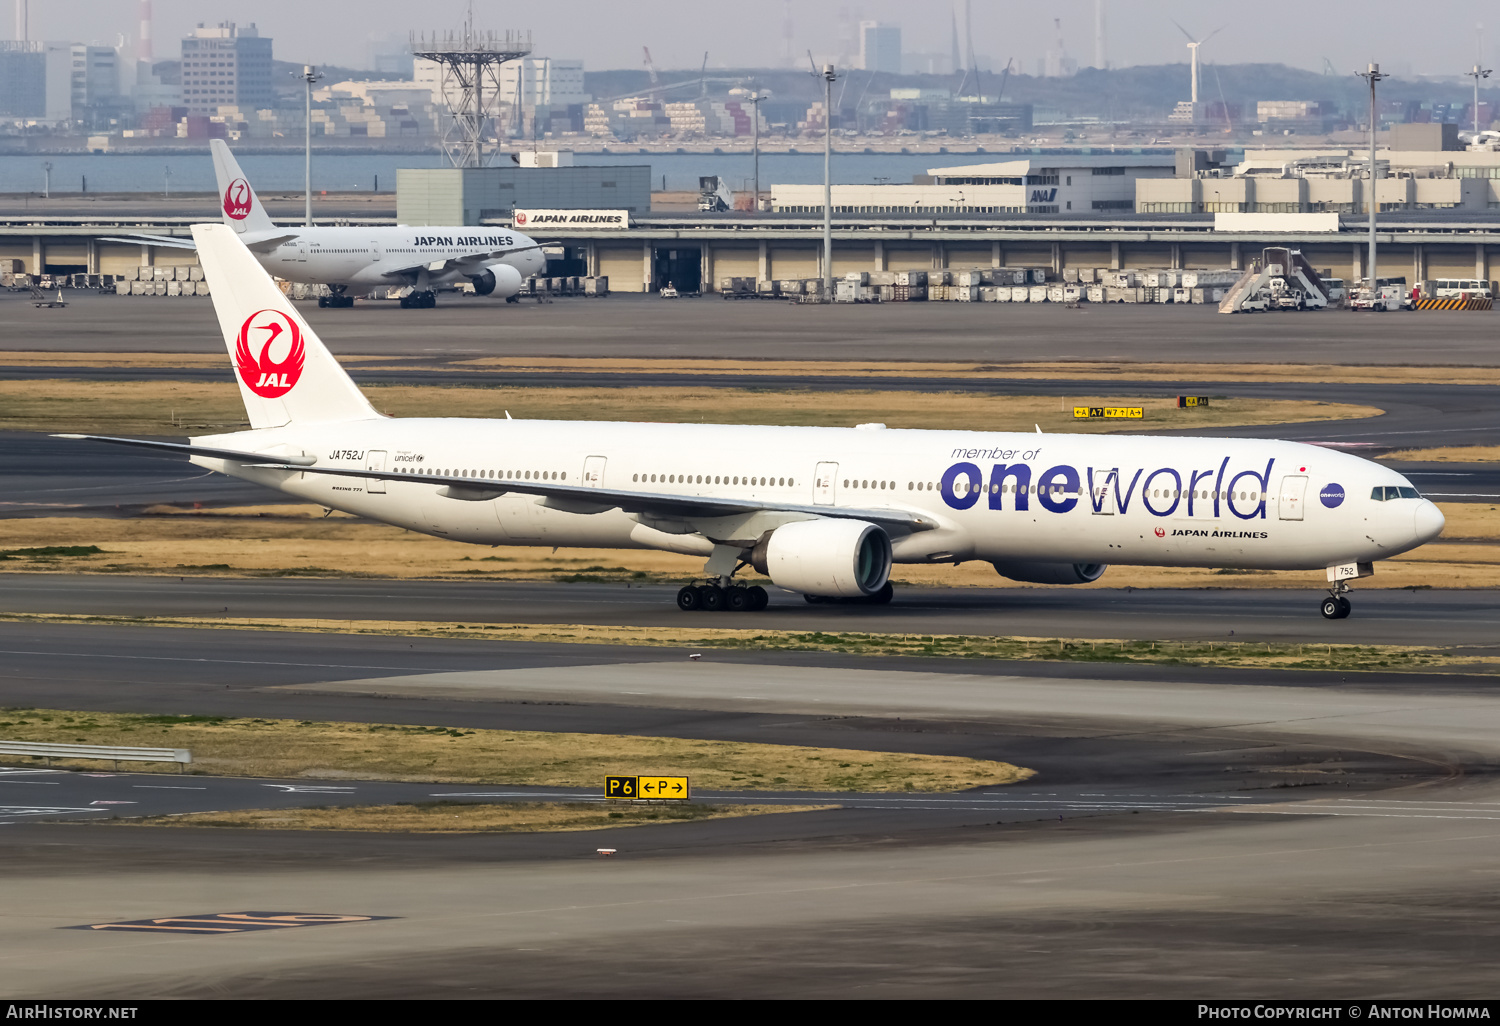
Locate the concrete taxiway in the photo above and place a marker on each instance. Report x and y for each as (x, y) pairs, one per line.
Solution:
(1188, 832)
(1468, 617)
(647, 326)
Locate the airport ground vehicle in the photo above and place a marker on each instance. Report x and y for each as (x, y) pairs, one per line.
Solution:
(1450, 288)
(824, 512)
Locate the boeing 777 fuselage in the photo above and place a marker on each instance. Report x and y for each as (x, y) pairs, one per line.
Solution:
(822, 511)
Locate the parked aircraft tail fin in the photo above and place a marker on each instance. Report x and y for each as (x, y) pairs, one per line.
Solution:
(240, 206)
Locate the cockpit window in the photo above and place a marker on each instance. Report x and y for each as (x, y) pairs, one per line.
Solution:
(1384, 493)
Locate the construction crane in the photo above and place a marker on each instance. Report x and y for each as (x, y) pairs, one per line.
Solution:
(650, 67)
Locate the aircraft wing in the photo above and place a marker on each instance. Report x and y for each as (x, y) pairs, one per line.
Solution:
(193, 450)
(171, 242)
(566, 497)
(471, 263)
(164, 241)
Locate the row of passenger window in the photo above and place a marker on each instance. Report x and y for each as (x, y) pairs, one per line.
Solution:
(769, 482)
(495, 475)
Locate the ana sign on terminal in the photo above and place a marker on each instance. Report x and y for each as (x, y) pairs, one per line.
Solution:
(537, 220)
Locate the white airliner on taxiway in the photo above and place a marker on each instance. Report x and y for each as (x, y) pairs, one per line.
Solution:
(821, 511)
(495, 260)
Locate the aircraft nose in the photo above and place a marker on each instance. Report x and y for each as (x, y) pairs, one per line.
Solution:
(1429, 521)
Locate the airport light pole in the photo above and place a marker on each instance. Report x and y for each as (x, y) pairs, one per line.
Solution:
(1476, 75)
(755, 99)
(828, 77)
(309, 75)
(47, 180)
(166, 182)
(1373, 75)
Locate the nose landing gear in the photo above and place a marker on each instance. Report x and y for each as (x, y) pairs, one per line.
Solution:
(338, 300)
(1336, 606)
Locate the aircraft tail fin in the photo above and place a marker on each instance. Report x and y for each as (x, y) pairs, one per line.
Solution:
(241, 208)
(284, 371)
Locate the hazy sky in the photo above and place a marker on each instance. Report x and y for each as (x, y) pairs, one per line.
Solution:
(610, 33)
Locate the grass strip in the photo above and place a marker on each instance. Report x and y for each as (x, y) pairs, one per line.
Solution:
(254, 747)
(1268, 655)
(197, 407)
(465, 817)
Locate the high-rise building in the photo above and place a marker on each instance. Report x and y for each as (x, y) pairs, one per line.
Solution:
(226, 65)
(880, 47)
(23, 79)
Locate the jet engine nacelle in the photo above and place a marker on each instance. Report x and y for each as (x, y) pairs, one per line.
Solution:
(828, 558)
(1052, 573)
(501, 280)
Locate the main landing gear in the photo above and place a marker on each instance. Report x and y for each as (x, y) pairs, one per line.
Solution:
(419, 300)
(338, 300)
(711, 598)
(1336, 606)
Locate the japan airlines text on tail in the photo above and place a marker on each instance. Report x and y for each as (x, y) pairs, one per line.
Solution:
(821, 511)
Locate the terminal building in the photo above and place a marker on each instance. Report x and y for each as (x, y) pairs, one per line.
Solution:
(1084, 184)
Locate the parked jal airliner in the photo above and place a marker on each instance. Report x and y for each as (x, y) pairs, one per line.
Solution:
(821, 511)
(495, 260)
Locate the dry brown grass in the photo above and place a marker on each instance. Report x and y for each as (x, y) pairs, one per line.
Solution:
(1076, 370)
(292, 540)
(468, 818)
(1263, 655)
(1449, 454)
(158, 407)
(287, 748)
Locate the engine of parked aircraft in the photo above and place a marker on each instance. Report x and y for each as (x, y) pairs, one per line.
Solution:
(829, 558)
(501, 280)
(1052, 573)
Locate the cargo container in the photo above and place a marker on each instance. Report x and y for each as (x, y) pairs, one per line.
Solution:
(1020, 293)
(858, 277)
(1039, 294)
(963, 293)
(1096, 293)
(1074, 293)
(1182, 295)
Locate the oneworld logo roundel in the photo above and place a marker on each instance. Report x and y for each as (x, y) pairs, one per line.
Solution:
(1332, 495)
(237, 199)
(265, 335)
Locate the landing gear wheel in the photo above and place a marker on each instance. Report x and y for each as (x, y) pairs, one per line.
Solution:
(322, 302)
(687, 598)
(1345, 608)
(813, 600)
(737, 599)
(1330, 609)
(759, 599)
(710, 598)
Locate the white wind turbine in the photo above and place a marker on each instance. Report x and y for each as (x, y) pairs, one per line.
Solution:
(1193, 45)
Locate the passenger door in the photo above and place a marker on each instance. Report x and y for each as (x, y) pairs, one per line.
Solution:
(593, 472)
(825, 484)
(1293, 492)
(375, 460)
(1102, 502)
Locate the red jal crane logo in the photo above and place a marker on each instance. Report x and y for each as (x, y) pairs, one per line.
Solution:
(262, 374)
(237, 199)
(520, 217)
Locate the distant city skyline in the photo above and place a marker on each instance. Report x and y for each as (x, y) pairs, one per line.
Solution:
(737, 35)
